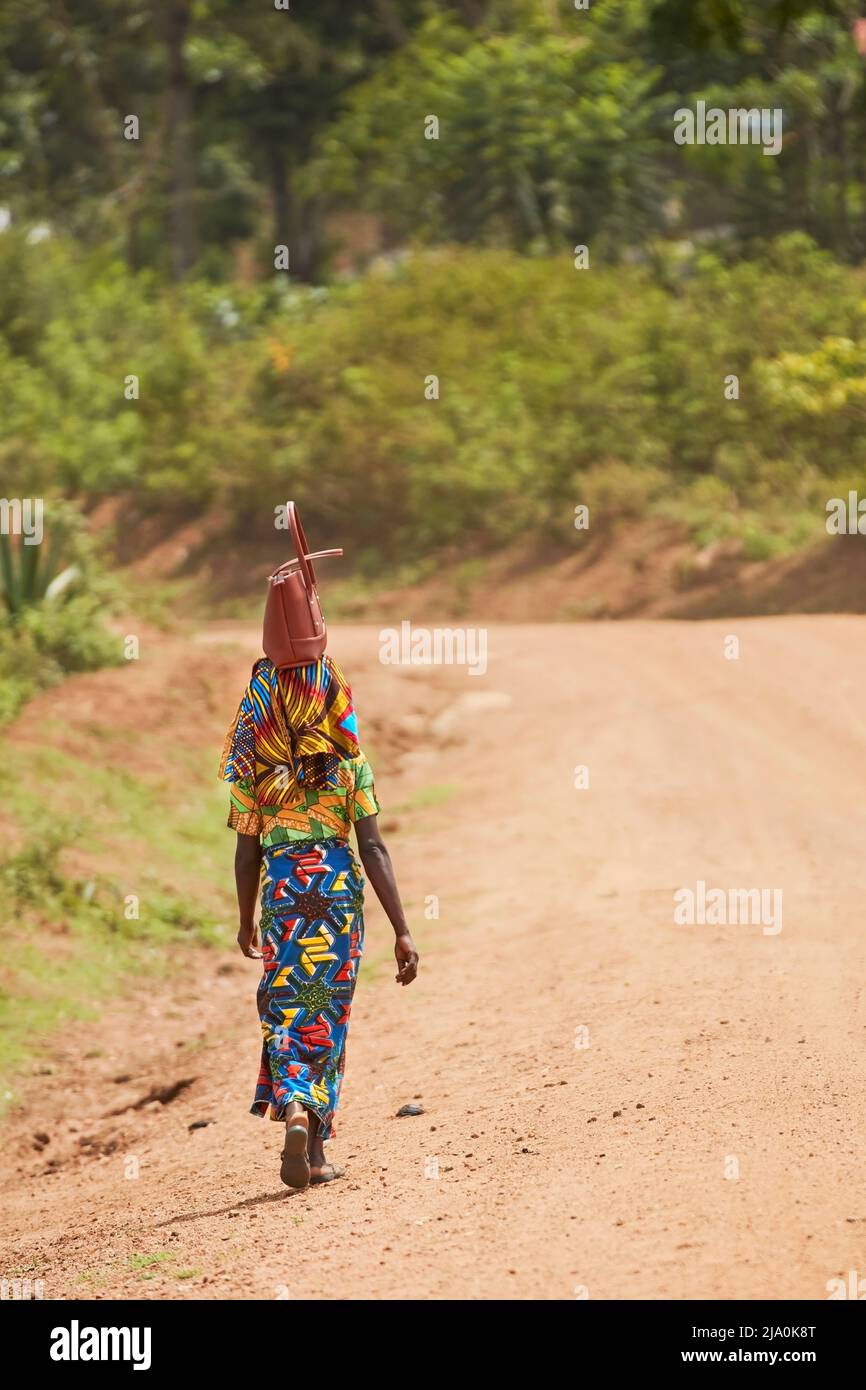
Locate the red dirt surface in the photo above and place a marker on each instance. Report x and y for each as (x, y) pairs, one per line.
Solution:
(541, 1168)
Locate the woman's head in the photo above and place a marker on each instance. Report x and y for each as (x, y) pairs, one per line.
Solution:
(316, 701)
(293, 728)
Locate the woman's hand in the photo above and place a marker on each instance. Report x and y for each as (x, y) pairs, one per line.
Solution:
(407, 959)
(377, 862)
(248, 940)
(248, 861)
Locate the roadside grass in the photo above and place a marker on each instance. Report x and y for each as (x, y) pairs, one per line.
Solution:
(138, 1262)
(75, 936)
(145, 1266)
(434, 795)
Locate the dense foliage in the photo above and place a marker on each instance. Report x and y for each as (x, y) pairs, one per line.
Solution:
(555, 123)
(555, 386)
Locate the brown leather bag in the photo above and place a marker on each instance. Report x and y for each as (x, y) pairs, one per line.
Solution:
(294, 628)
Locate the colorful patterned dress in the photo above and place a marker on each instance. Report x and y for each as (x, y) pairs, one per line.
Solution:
(298, 781)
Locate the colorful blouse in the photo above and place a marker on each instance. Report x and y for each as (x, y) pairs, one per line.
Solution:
(292, 758)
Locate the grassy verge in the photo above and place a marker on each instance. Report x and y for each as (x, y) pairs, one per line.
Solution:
(75, 936)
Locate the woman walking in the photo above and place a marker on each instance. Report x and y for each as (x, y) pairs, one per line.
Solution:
(298, 781)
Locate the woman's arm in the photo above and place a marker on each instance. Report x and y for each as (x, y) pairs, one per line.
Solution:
(380, 871)
(248, 860)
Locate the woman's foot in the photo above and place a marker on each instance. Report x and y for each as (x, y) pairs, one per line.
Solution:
(324, 1172)
(295, 1167)
(320, 1169)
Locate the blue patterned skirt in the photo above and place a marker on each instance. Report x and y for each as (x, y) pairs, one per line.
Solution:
(312, 931)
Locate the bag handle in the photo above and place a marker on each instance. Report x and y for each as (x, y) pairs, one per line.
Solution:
(291, 564)
(307, 572)
(303, 557)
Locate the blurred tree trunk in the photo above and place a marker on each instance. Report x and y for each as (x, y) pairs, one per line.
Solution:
(297, 221)
(280, 197)
(180, 140)
(474, 12)
(392, 22)
(305, 222)
(844, 230)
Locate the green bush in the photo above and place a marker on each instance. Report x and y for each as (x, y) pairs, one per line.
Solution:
(23, 671)
(44, 637)
(50, 643)
(554, 384)
(71, 634)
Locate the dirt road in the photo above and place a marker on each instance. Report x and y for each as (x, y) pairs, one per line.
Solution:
(615, 1105)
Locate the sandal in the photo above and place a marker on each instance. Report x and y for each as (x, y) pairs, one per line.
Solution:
(295, 1167)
